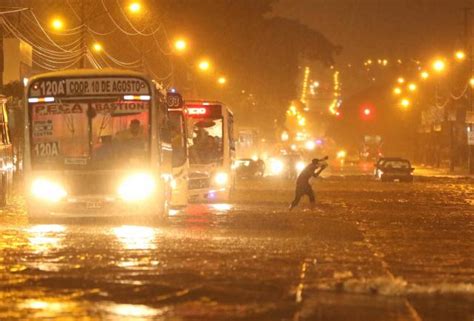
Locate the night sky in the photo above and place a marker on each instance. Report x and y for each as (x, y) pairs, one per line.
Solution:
(383, 28)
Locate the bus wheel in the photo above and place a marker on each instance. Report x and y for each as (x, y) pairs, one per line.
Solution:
(3, 192)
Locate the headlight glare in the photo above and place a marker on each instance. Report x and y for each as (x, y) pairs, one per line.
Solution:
(137, 187)
(47, 190)
(300, 166)
(276, 166)
(221, 178)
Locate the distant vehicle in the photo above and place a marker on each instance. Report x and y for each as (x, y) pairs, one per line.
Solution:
(371, 148)
(393, 168)
(248, 168)
(288, 166)
(6, 155)
(211, 150)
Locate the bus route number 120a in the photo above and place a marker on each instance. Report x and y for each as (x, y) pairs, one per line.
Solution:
(49, 149)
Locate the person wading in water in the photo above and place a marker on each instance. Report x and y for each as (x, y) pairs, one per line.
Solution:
(303, 187)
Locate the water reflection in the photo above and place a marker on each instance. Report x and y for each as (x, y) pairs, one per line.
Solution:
(134, 312)
(135, 237)
(45, 237)
(47, 309)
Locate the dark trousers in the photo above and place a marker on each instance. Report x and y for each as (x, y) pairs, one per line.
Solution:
(301, 190)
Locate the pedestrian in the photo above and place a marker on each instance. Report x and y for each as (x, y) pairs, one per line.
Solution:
(303, 187)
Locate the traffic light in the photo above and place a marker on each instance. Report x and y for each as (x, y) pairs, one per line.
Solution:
(367, 111)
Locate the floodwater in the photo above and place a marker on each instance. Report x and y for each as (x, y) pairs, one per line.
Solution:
(369, 251)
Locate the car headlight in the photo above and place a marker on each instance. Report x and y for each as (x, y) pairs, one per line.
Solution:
(47, 190)
(300, 166)
(137, 187)
(276, 166)
(221, 178)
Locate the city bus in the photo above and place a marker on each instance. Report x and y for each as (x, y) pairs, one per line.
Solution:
(180, 160)
(211, 148)
(94, 144)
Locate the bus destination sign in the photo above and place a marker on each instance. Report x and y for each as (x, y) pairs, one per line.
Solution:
(94, 86)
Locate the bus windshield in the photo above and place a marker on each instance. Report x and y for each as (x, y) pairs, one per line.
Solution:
(178, 137)
(206, 144)
(98, 134)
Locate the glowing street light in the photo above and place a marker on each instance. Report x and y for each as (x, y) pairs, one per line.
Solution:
(401, 80)
(180, 45)
(405, 103)
(460, 55)
(221, 80)
(471, 82)
(97, 47)
(412, 87)
(397, 90)
(57, 24)
(204, 65)
(367, 111)
(135, 7)
(439, 65)
(424, 75)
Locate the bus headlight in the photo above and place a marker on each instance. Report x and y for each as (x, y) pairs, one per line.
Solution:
(137, 187)
(300, 166)
(221, 178)
(47, 190)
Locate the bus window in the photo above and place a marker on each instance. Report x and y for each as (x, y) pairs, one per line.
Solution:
(206, 144)
(178, 139)
(59, 134)
(119, 132)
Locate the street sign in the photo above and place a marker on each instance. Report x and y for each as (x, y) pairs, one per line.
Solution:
(174, 100)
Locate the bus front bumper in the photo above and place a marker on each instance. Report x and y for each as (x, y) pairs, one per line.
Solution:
(93, 205)
(208, 195)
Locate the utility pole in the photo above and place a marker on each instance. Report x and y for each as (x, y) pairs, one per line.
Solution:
(469, 45)
(2, 57)
(82, 62)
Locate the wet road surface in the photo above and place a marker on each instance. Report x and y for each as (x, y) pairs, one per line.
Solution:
(369, 251)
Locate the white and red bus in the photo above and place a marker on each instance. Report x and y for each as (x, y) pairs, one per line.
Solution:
(211, 149)
(94, 144)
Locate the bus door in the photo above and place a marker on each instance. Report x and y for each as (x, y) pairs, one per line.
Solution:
(180, 161)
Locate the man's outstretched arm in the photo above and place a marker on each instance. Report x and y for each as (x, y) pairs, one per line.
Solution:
(316, 174)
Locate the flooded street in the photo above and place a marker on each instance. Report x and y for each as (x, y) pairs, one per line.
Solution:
(369, 251)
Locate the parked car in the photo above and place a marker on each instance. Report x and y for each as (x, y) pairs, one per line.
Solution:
(393, 168)
(247, 168)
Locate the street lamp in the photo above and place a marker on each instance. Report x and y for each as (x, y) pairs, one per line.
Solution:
(57, 24)
(471, 82)
(424, 75)
(397, 90)
(180, 45)
(135, 7)
(221, 80)
(460, 55)
(405, 103)
(439, 65)
(412, 87)
(204, 65)
(97, 47)
(401, 80)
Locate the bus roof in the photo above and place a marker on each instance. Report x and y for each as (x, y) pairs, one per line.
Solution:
(88, 72)
(206, 102)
